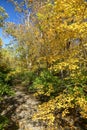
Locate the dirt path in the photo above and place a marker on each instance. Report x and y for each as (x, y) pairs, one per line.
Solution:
(19, 109)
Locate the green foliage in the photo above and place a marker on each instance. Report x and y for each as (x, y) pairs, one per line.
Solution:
(4, 71)
(52, 57)
(5, 88)
(3, 122)
(25, 78)
(47, 84)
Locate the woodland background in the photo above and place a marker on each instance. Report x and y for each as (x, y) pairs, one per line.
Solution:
(48, 55)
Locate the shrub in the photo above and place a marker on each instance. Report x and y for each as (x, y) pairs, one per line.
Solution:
(3, 122)
(5, 89)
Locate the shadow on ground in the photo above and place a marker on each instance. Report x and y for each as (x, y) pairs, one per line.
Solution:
(8, 109)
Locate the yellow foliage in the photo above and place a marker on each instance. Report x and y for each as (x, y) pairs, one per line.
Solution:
(58, 43)
(63, 101)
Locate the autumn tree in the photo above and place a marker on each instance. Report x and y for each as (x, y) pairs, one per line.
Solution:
(63, 29)
(55, 47)
(27, 33)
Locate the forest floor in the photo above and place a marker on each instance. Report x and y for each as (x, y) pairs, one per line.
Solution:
(19, 109)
